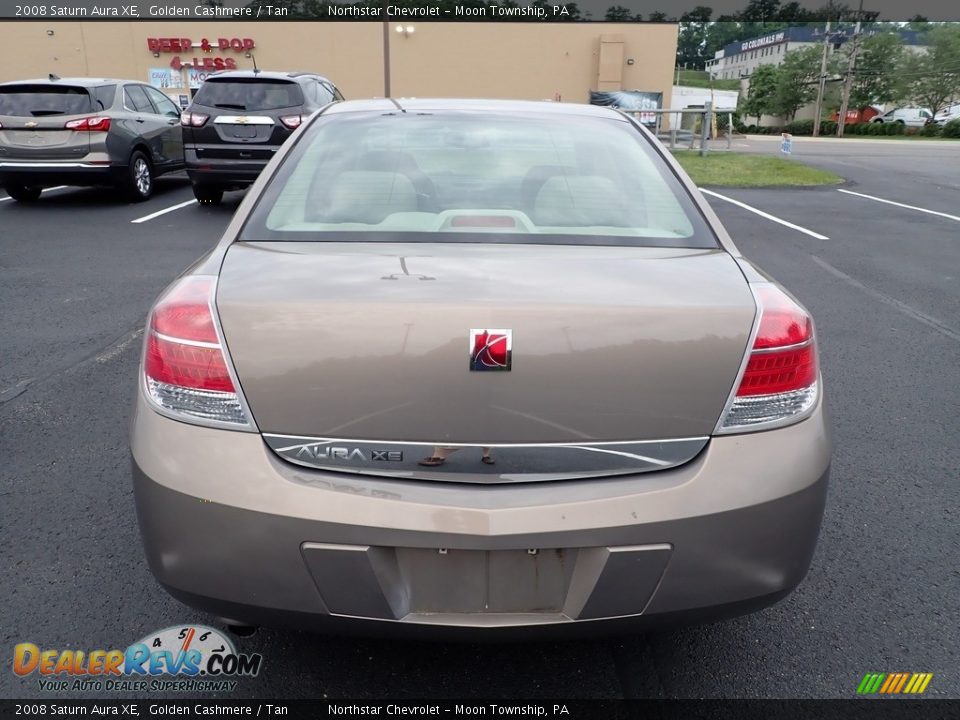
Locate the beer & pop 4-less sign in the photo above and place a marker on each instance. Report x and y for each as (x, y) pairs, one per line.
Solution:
(203, 61)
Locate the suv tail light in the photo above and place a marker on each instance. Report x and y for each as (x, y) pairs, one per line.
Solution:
(189, 119)
(292, 121)
(779, 383)
(185, 367)
(99, 123)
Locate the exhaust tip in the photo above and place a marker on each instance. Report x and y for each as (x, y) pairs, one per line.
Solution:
(235, 627)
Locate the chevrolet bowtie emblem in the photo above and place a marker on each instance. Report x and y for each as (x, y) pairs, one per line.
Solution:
(242, 120)
(31, 125)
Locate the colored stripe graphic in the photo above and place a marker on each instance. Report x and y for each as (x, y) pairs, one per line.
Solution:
(891, 681)
(870, 683)
(894, 683)
(918, 683)
(899, 686)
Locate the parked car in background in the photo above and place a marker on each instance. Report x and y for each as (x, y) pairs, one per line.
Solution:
(239, 118)
(86, 131)
(478, 366)
(948, 114)
(911, 117)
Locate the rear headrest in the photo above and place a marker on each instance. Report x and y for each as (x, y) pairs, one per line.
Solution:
(368, 196)
(388, 161)
(579, 201)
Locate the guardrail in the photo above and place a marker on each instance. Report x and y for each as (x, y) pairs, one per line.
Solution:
(689, 128)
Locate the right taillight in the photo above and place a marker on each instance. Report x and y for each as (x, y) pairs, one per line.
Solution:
(99, 123)
(779, 383)
(184, 365)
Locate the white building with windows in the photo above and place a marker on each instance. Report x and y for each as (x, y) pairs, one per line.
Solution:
(739, 59)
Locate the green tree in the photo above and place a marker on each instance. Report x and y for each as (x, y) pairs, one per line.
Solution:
(918, 22)
(761, 93)
(719, 35)
(793, 14)
(877, 78)
(691, 41)
(760, 11)
(797, 80)
(618, 13)
(932, 79)
(657, 16)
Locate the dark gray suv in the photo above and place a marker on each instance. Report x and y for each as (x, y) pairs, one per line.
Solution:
(86, 131)
(240, 118)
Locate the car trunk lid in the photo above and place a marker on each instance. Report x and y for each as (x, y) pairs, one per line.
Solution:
(371, 343)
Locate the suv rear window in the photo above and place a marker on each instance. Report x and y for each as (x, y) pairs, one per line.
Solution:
(253, 94)
(469, 177)
(43, 100)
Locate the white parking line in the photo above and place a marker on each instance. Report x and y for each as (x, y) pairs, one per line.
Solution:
(58, 187)
(768, 216)
(158, 213)
(903, 205)
(903, 307)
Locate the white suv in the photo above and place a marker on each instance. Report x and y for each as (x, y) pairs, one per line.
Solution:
(913, 117)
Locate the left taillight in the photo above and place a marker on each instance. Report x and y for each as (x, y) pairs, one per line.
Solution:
(778, 386)
(100, 123)
(185, 365)
(189, 119)
(292, 121)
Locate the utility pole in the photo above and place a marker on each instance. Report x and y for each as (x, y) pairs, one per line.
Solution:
(848, 82)
(386, 49)
(823, 80)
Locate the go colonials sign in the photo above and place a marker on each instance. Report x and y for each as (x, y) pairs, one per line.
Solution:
(762, 41)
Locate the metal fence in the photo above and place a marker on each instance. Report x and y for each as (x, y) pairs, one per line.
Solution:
(691, 128)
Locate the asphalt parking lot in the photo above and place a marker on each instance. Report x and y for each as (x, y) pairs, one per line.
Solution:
(80, 269)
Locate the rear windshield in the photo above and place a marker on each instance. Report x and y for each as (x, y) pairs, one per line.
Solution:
(477, 177)
(253, 94)
(43, 100)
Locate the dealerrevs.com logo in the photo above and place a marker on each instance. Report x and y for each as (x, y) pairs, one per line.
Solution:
(186, 658)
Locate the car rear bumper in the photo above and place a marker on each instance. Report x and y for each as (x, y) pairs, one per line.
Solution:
(230, 528)
(42, 173)
(222, 171)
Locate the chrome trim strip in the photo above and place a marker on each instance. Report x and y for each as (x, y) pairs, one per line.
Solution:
(643, 458)
(182, 341)
(13, 164)
(534, 462)
(781, 348)
(243, 120)
(444, 443)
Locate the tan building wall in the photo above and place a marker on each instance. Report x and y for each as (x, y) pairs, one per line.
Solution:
(498, 60)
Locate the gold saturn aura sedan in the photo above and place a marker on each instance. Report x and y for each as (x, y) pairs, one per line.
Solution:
(480, 367)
